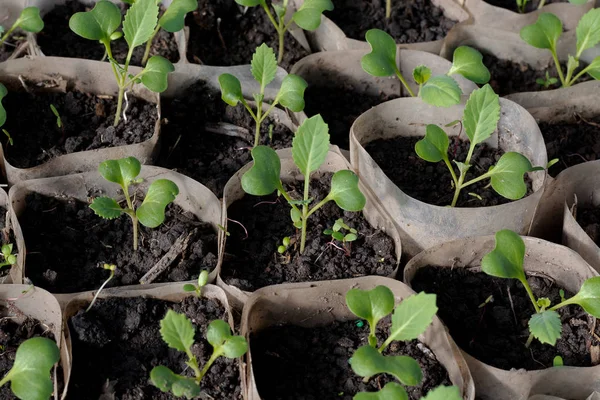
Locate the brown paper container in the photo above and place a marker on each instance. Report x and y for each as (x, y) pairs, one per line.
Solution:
(543, 258)
(321, 303)
(8, 228)
(593, 396)
(574, 236)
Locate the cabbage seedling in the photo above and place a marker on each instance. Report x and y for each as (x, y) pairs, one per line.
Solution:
(151, 213)
(546, 31)
(7, 255)
(506, 261)
(178, 332)
(308, 17)
(29, 20)
(101, 24)
(264, 69)
(29, 376)
(337, 233)
(439, 90)
(202, 281)
(480, 119)
(309, 150)
(409, 320)
(59, 122)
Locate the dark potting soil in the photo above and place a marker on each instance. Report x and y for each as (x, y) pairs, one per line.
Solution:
(222, 35)
(117, 343)
(12, 334)
(432, 182)
(291, 362)
(496, 332)
(67, 244)
(589, 219)
(57, 39)
(11, 44)
(253, 262)
(87, 122)
(412, 21)
(208, 157)
(511, 5)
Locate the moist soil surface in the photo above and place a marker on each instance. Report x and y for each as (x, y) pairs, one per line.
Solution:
(87, 124)
(496, 332)
(189, 147)
(412, 21)
(432, 182)
(117, 343)
(589, 219)
(57, 39)
(511, 5)
(11, 44)
(67, 245)
(253, 262)
(12, 334)
(291, 362)
(233, 40)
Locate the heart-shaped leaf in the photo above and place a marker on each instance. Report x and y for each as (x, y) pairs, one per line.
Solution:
(219, 336)
(506, 260)
(345, 192)
(544, 33)
(249, 3)
(588, 297)
(168, 381)
(140, 21)
(481, 114)
(381, 61)
(311, 145)
(98, 23)
(434, 146)
(154, 76)
(3, 93)
(30, 20)
(291, 93)
(177, 331)
(469, 63)
(367, 361)
(308, 17)
(441, 91)
(443, 393)
(231, 89)
(152, 211)
(412, 316)
(263, 178)
(370, 305)
(106, 207)
(121, 171)
(263, 66)
(173, 20)
(391, 391)
(507, 175)
(546, 327)
(588, 30)
(421, 74)
(593, 69)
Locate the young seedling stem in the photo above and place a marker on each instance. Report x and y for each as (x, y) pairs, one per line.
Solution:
(29, 21)
(111, 268)
(388, 9)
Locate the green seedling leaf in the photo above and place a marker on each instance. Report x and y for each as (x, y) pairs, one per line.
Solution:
(370, 305)
(543, 302)
(140, 21)
(264, 65)
(338, 236)
(546, 326)
(203, 278)
(391, 391)
(188, 287)
(443, 393)
(219, 336)
(544, 33)
(296, 217)
(588, 297)
(280, 10)
(177, 331)
(351, 237)
(263, 178)
(507, 176)
(593, 69)
(154, 76)
(412, 316)
(173, 20)
(308, 17)
(291, 93)
(98, 23)
(381, 61)
(231, 89)
(434, 146)
(481, 114)
(248, 3)
(30, 20)
(30, 373)
(152, 211)
(367, 361)
(588, 30)
(469, 63)
(421, 74)
(558, 361)
(311, 145)
(168, 381)
(441, 91)
(7, 249)
(3, 93)
(106, 207)
(506, 260)
(122, 171)
(345, 192)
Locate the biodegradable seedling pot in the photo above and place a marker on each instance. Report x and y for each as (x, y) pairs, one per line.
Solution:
(27, 301)
(8, 235)
(542, 258)
(423, 225)
(593, 396)
(373, 212)
(320, 304)
(192, 198)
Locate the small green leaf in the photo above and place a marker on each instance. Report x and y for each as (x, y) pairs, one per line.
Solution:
(543, 302)
(122, 171)
(280, 10)
(308, 17)
(421, 74)
(248, 3)
(558, 361)
(168, 381)
(469, 63)
(155, 74)
(391, 391)
(188, 287)
(507, 176)
(544, 33)
(345, 192)
(140, 21)
(152, 211)
(338, 236)
(351, 237)
(506, 260)
(381, 61)
(593, 69)
(7, 249)
(231, 89)
(481, 114)
(98, 23)
(30, 20)
(370, 305)
(291, 93)
(106, 207)
(412, 316)
(219, 336)
(173, 20)
(546, 327)
(203, 278)
(311, 145)
(434, 146)
(441, 91)
(588, 30)
(588, 297)
(263, 178)
(443, 393)
(263, 65)
(367, 361)
(177, 331)
(3, 93)
(296, 217)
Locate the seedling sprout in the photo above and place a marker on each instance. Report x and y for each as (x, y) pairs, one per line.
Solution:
(521, 4)
(111, 268)
(59, 123)
(7, 255)
(29, 20)
(202, 281)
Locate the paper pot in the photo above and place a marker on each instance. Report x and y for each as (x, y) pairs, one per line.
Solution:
(423, 225)
(7, 231)
(593, 396)
(321, 303)
(557, 262)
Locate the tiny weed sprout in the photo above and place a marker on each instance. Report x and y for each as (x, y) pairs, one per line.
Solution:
(151, 213)
(285, 243)
(7, 255)
(57, 115)
(29, 376)
(178, 332)
(439, 90)
(101, 24)
(29, 21)
(309, 150)
(546, 31)
(506, 261)
(264, 69)
(342, 233)
(202, 281)
(308, 17)
(546, 82)
(522, 3)
(480, 118)
(409, 320)
(110, 267)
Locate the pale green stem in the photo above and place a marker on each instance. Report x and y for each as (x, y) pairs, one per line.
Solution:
(449, 165)
(583, 71)
(193, 364)
(385, 344)
(119, 105)
(7, 34)
(475, 180)
(207, 366)
(529, 340)
(319, 205)
(542, 4)
(564, 303)
(558, 68)
(304, 213)
(399, 75)
(531, 296)
(258, 123)
(458, 188)
(122, 87)
(568, 78)
(112, 273)
(131, 212)
(281, 46)
(388, 9)
(266, 114)
(5, 379)
(149, 45)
